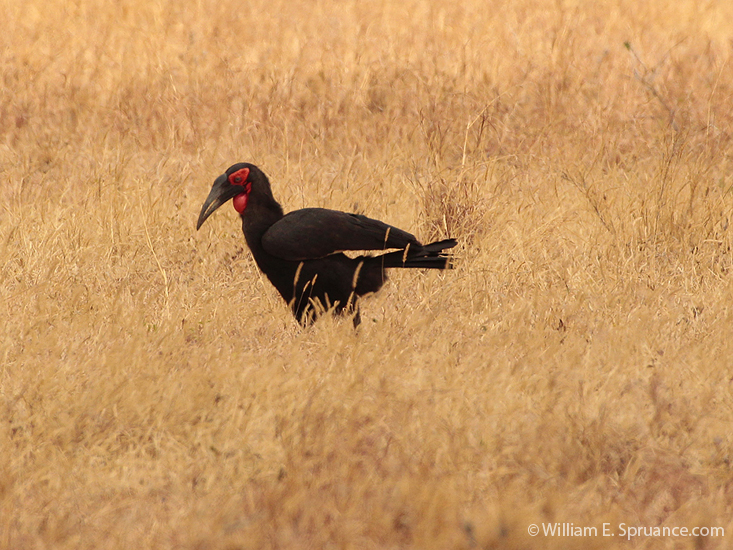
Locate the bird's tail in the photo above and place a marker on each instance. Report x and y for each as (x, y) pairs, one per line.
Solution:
(429, 256)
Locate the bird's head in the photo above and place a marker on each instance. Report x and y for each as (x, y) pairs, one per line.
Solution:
(238, 183)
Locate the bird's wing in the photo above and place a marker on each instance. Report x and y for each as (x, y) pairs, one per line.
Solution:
(316, 232)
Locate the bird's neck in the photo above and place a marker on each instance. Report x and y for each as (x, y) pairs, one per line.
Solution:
(257, 218)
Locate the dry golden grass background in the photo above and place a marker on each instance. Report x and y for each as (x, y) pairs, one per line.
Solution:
(575, 367)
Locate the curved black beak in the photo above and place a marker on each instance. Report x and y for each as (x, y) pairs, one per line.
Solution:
(220, 193)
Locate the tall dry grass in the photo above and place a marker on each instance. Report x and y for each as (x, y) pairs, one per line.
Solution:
(575, 367)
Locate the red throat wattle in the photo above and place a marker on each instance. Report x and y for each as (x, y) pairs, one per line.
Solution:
(239, 178)
(240, 202)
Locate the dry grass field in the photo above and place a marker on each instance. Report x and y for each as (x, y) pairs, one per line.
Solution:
(576, 366)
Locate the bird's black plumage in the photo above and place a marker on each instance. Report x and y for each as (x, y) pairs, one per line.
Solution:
(301, 253)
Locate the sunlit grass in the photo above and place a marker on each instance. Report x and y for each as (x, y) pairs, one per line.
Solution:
(155, 391)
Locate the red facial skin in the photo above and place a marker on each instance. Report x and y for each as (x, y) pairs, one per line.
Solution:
(240, 178)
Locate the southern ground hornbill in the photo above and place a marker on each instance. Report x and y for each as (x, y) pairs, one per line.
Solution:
(302, 252)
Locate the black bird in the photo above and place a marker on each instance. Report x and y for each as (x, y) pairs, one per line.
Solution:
(302, 252)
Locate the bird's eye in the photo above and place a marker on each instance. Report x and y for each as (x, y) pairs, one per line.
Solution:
(238, 179)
